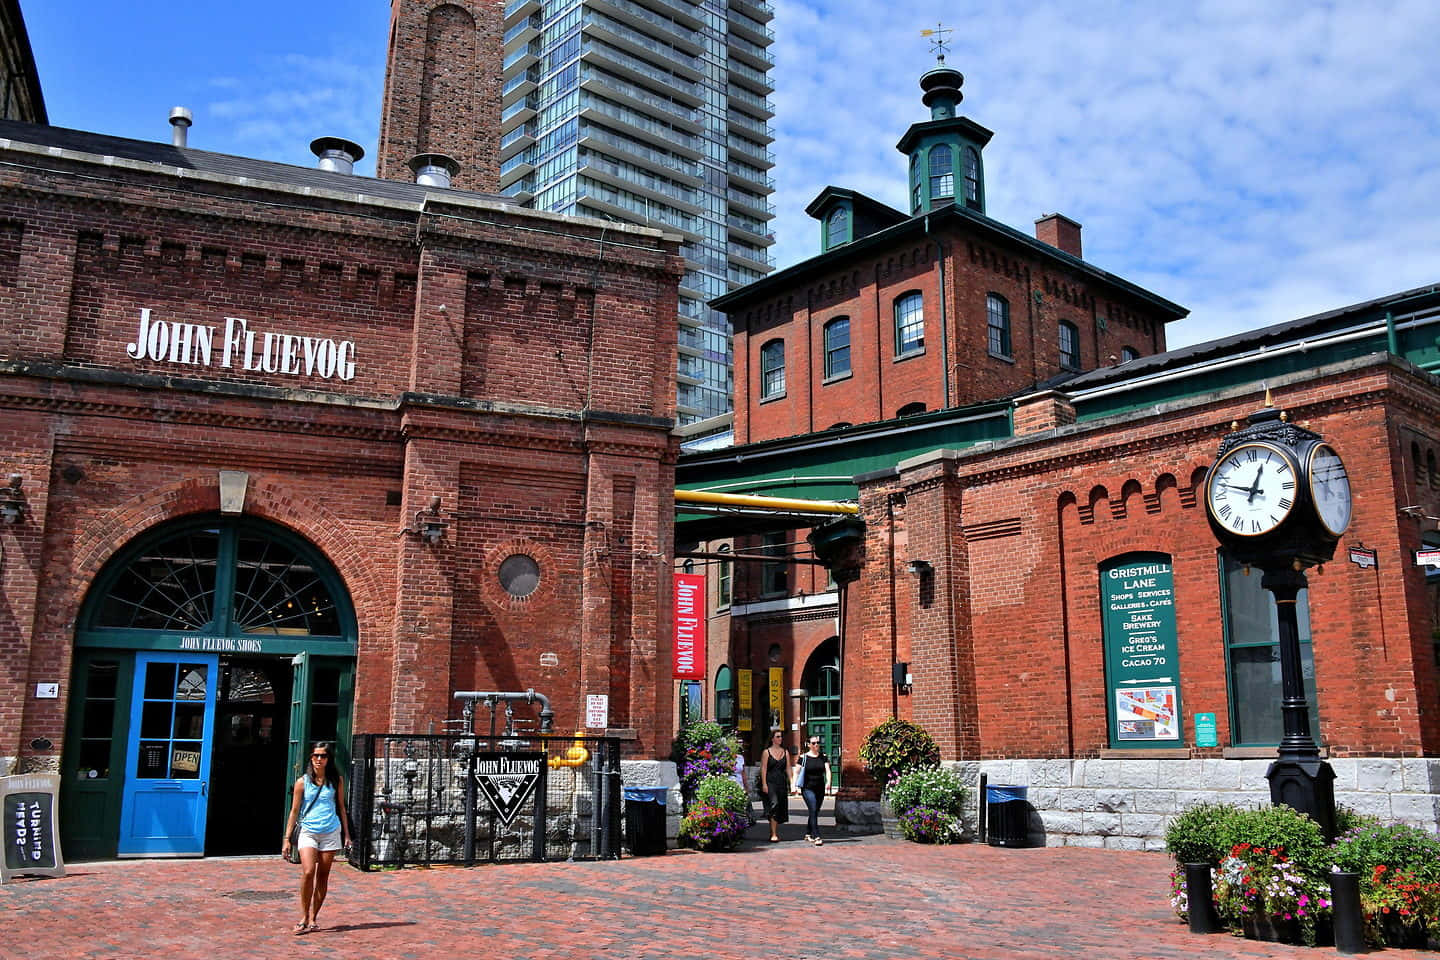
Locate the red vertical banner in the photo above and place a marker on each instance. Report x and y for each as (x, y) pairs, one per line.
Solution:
(689, 626)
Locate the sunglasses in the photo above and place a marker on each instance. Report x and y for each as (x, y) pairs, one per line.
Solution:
(319, 756)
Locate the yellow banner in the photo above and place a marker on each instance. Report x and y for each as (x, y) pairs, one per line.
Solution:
(777, 696)
(746, 698)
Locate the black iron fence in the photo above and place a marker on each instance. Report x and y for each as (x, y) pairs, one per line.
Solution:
(417, 800)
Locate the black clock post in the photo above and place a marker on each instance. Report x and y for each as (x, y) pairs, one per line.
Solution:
(1278, 500)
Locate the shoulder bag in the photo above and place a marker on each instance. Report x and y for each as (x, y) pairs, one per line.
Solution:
(294, 856)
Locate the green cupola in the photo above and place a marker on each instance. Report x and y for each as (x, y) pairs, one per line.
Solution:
(944, 151)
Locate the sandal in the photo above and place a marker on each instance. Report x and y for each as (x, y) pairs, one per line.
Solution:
(300, 928)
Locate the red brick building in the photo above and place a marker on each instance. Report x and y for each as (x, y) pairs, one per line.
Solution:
(938, 308)
(291, 453)
(1024, 516)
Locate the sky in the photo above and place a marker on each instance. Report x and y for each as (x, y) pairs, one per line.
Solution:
(1253, 162)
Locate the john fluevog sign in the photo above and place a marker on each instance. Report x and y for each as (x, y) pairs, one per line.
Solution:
(507, 780)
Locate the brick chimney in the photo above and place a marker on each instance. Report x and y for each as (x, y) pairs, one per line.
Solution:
(442, 89)
(1059, 231)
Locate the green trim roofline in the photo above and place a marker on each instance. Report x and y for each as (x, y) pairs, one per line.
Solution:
(782, 280)
(824, 466)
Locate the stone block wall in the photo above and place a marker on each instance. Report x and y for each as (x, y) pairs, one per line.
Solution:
(1127, 804)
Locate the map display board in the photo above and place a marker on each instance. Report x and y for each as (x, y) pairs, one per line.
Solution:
(1142, 665)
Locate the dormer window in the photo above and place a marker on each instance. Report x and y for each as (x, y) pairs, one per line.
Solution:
(942, 173)
(837, 227)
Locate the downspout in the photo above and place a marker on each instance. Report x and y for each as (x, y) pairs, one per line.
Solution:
(879, 351)
(1032, 307)
(1392, 339)
(810, 360)
(894, 633)
(944, 321)
(1064, 592)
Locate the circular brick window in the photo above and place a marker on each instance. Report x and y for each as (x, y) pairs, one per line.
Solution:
(519, 575)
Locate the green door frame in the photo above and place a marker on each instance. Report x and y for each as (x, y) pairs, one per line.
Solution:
(822, 714)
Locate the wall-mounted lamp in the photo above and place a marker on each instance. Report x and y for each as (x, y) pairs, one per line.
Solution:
(12, 500)
(920, 568)
(429, 525)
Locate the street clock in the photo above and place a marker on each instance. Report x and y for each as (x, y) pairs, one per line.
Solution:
(1278, 498)
(1277, 495)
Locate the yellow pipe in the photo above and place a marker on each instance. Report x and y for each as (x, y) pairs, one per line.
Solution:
(770, 503)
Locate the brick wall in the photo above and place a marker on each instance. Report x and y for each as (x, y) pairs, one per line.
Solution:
(523, 376)
(1041, 292)
(1018, 533)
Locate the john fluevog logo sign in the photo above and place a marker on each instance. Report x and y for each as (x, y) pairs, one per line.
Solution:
(508, 780)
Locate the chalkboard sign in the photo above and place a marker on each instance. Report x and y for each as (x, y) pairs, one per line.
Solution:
(28, 818)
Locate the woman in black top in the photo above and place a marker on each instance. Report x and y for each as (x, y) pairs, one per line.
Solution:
(775, 783)
(814, 780)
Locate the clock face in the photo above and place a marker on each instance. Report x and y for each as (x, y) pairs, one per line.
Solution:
(1251, 490)
(1330, 489)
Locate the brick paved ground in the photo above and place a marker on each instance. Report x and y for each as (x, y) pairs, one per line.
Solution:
(867, 898)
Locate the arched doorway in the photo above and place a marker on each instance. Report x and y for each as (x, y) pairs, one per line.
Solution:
(208, 653)
(821, 680)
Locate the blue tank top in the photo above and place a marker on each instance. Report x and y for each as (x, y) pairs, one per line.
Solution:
(321, 816)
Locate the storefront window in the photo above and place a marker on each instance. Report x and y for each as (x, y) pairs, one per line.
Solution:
(1253, 651)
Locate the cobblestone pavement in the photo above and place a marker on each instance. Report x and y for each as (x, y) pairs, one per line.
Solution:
(863, 897)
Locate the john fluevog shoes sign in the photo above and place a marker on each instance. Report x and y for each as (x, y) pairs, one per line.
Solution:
(507, 780)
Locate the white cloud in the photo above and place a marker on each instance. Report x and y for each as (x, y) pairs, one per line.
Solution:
(1254, 162)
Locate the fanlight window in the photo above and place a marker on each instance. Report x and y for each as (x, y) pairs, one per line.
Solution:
(265, 586)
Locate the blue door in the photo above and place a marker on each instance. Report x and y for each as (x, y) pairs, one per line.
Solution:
(167, 784)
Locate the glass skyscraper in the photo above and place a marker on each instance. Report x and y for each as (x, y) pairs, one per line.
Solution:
(653, 112)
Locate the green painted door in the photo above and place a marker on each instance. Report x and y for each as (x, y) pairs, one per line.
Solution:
(823, 716)
(95, 738)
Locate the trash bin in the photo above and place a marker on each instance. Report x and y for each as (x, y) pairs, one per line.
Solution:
(1007, 822)
(645, 820)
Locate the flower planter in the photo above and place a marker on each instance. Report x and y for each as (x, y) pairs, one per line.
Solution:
(1270, 929)
(1397, 933)
(890, 821)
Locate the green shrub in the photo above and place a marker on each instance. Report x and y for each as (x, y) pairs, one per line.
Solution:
(1278, 827)
(723, 792)
(1347, 819)
(1198, 835)
(895, 747)
(928, 825)
(936, 788)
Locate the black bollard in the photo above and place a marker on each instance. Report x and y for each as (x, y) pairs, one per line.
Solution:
(1345, 908)
(1201, 899)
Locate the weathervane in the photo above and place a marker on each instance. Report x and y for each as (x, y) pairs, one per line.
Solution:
(940, 37)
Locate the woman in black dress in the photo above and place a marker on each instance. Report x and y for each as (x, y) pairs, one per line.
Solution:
(775, 783)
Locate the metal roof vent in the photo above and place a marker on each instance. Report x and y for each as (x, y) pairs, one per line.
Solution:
(336, 154)
(180, 120)
(434, 169)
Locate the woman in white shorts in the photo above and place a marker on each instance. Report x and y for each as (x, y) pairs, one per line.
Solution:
(318, 805)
